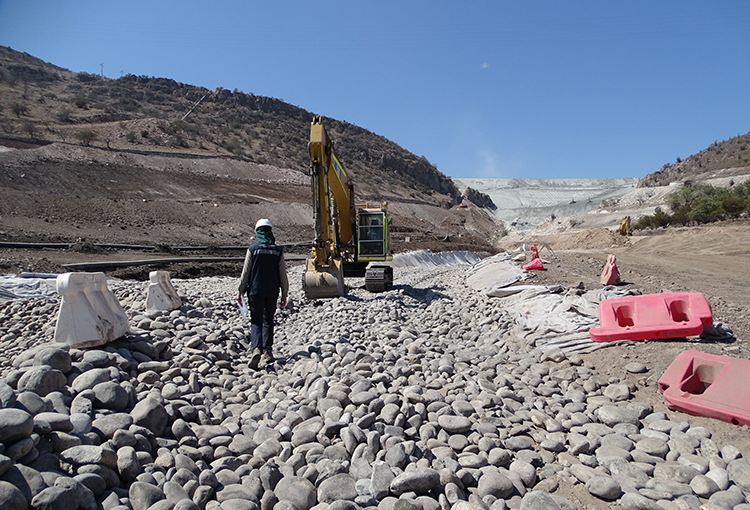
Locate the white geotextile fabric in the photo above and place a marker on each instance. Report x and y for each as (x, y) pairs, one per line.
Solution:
(515, 289)
(426, 258)
(537, 310)
(496, 272)
(15, 287)
(540, 312)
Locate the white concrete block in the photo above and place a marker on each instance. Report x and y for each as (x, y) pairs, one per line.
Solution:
(161, 294)
(90, 314)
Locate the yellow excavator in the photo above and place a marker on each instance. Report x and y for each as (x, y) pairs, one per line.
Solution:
(625, 227)
(349, 237)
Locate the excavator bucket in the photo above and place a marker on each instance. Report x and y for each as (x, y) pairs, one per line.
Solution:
(323, 281)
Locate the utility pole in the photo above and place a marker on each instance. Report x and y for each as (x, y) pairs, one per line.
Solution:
(102, 67)
(193, 108)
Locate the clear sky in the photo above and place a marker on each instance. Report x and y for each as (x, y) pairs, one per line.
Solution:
(544, 89)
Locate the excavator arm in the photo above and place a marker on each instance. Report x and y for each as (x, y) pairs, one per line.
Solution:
(339, 245)
(333, 196)
(334, 217)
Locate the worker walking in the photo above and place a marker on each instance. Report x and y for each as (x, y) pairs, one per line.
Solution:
(263, 276)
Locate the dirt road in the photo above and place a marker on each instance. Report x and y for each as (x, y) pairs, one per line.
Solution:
(712, 259)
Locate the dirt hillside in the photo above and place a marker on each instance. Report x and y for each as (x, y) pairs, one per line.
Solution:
(85, 196)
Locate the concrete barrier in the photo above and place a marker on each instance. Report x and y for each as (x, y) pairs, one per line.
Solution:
(90, 314)
(162, 297)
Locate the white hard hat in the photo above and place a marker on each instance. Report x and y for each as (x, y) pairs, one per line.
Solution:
(262, 223)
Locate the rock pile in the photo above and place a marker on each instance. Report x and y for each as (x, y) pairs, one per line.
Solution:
(420, 398)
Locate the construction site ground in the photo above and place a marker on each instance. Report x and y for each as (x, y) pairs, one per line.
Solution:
(712, 259)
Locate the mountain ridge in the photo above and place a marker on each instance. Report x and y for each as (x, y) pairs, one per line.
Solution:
(121, 161)
(46, 103)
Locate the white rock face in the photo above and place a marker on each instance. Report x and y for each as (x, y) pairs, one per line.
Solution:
(523, 204)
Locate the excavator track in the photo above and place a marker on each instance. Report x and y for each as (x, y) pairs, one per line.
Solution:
(378, 278)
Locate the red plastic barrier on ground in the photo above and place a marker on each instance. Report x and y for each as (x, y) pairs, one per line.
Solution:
(708, 385)
(610, 274)
(652, 316)
(534, 264)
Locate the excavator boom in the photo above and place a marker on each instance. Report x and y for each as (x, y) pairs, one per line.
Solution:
(339, 246)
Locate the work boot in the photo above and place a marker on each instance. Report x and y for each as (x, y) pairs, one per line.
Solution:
(255, 358)
(267, 357)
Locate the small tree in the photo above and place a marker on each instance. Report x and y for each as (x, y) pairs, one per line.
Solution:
(689, 195)
(86, 136)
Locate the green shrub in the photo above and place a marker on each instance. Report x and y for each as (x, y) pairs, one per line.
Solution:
(700, 203)
(19, 109)
(680, 216)
(644, 222)
(661, 219)
(689, 195)
(705, 211)
(733, 206)
(63, 114)
(29, 128)
(742, 190)
(85, 136)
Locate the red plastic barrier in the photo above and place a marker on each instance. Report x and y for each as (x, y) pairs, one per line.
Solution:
(610, 274)
(708, 385)
(652, 316)
(534, 264)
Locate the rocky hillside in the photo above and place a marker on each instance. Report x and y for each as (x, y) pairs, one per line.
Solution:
(721, 159)
(151, 161)
(40, 102)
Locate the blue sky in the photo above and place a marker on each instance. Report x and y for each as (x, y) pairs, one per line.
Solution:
(543, 89)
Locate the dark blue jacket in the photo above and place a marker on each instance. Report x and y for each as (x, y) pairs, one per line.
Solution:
(264, 271)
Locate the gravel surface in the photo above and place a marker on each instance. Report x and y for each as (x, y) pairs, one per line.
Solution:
(420, 398)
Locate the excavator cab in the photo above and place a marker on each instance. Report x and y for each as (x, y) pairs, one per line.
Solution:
(372, 240)
(373, 247)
